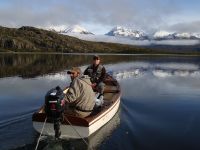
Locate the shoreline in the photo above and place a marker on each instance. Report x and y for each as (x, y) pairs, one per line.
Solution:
(123, 54)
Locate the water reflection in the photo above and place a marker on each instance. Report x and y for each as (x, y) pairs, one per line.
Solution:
(161, 71)
(32, 65)
(94, 141)
(159, 107)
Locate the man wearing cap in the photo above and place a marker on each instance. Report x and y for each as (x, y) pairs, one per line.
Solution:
(80, 93)
(97, 73)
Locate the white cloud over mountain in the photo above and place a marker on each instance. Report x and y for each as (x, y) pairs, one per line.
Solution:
(133, 37)
(148, 15)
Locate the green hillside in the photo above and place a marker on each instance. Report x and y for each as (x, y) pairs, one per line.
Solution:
(31, 39)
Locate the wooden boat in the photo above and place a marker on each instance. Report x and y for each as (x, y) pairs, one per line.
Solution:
(84, 126)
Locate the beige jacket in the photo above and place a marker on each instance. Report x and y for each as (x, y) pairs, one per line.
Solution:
(81, 94)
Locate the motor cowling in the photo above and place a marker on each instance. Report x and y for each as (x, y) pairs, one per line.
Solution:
(54, 103)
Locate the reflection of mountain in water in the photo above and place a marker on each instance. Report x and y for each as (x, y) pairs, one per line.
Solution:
(32, 65)
(161, 71)
(178, 72)
(128, 74)
(156, 72)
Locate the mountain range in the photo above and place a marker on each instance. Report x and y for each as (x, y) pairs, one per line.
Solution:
(134, 34)
(163, 35)
(31, 39)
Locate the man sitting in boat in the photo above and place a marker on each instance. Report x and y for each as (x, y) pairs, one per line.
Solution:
(80, 93)
(97, 74)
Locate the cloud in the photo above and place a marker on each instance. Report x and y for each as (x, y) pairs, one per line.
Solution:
(104, 11)
(125, 40)
(185, 27)
(141, 14)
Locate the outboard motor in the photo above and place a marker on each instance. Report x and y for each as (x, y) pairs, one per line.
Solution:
(54, 107)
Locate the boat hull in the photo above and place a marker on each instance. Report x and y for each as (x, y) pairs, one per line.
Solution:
(81, 131)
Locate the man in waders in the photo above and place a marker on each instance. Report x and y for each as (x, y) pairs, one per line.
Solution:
(97, 74)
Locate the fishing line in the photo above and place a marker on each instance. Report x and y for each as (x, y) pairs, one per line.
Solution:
(40, 134)
(77, 132)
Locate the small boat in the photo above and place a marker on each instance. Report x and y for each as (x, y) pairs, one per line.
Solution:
(94, 141)
(84, 127)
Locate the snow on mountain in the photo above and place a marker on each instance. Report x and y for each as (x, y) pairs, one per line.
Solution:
(197, 35)
(128, 36)
(159, 35)
(125, 32)
(76, 29)
(133, 37)
(183, 35)
(58, 28)
(187, 35)
(164, 35)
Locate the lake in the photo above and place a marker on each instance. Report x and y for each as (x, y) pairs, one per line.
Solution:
(160, 103)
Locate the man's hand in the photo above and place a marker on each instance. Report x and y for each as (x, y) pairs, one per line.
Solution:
(94, 85)
(63, 102)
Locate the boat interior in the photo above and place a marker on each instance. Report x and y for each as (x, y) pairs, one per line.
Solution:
(111, 94)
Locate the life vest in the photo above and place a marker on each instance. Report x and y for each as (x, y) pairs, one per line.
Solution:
(54, 103)
(94, 76)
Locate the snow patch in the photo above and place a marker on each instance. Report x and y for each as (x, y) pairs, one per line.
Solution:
(76, 29)
(125, 32)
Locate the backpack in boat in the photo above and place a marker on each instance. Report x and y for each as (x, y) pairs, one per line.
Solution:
(54, 103)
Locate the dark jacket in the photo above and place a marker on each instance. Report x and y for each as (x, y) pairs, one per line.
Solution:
(96, 73)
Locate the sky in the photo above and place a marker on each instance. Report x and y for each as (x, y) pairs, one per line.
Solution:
(100, 16)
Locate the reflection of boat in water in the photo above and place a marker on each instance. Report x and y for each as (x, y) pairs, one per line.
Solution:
(93, 141)
(84, 126)
(97, 138)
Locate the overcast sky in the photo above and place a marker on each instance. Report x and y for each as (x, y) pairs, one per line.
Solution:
(99, 16)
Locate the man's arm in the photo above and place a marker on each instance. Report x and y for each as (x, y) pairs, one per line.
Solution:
(73, 92)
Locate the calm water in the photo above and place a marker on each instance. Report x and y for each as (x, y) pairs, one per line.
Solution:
(160, 104)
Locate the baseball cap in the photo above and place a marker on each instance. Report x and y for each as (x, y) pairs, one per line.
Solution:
(73, 70)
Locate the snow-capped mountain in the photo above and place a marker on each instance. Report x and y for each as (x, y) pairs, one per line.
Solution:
(186, 35)
(125, 32)
(76, 29)
(133, 37)
(160, 35)
(197, 35)
(164, 35)
(183, 35)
